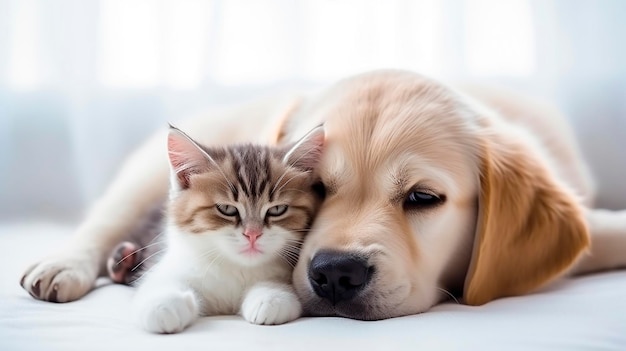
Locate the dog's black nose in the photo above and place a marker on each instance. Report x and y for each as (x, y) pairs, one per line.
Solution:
(338, 276)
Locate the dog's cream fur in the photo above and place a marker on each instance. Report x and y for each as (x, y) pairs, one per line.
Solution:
(517, 210)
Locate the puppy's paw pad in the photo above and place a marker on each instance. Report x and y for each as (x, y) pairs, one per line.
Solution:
(60, 279)
(270, 306)
(168, 313)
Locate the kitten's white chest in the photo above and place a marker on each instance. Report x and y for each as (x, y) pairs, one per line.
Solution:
(223, 286)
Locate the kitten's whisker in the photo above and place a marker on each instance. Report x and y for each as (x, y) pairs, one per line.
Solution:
(289, 180)
(287, 259)
(287, 169)
(141, 276)
(293, 251)
(304, 154)
(292, 260)
(134, 252)
(449, 294)
(145, 259)
(159, 235)
(279, 180)
(294, 247)
(292, 254)
(285, 173)
(294, 242)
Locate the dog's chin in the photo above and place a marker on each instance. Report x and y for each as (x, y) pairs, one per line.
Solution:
(317, 307)
(361, 308)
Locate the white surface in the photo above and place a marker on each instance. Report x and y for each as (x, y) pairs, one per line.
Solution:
(581, 313)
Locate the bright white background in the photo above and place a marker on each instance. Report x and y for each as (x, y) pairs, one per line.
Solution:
(84, 81)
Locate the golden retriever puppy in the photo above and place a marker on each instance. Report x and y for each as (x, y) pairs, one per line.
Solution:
(430, 191)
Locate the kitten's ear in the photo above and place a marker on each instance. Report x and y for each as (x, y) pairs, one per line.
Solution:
(306, 153)
(186, 158)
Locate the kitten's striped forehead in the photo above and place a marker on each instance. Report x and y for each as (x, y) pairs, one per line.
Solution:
(252, 166)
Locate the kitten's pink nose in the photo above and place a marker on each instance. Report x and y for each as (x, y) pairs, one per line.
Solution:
(252, 234)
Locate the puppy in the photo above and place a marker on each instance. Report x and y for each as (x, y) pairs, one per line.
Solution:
(430, 192)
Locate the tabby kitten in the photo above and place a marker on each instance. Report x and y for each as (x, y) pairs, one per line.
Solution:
(235, 220)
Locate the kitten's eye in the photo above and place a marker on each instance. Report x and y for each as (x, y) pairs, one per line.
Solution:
(227, 210)
(277, 210)
(416, 200)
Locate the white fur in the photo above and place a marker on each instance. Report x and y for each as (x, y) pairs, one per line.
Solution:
(167, 311)
(270, 303)
(204, 274)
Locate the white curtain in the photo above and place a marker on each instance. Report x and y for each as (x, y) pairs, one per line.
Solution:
(84, 81)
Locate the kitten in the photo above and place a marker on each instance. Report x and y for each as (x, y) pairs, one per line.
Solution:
(234, 223)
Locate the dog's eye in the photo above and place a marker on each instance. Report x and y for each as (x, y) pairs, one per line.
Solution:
(422, 200)
(227, 210)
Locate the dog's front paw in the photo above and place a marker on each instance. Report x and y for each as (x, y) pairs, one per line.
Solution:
(167, 313)
(271, 304)
(60, 278)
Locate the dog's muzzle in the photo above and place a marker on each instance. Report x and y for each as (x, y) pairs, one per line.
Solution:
(338, 276)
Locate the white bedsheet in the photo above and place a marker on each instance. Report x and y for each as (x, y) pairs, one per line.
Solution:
(582, 313)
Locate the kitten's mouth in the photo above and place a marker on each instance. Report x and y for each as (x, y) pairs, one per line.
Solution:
(251, 251)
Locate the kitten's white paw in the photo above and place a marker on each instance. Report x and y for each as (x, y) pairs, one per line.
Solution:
(61, 278)
(271, 304)
(166, 313)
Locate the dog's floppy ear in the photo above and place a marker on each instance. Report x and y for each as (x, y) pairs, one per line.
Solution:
(530, 228)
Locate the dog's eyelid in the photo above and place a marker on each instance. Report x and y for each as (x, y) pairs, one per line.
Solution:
(424, 188)
(422, 198)
(425, 191)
